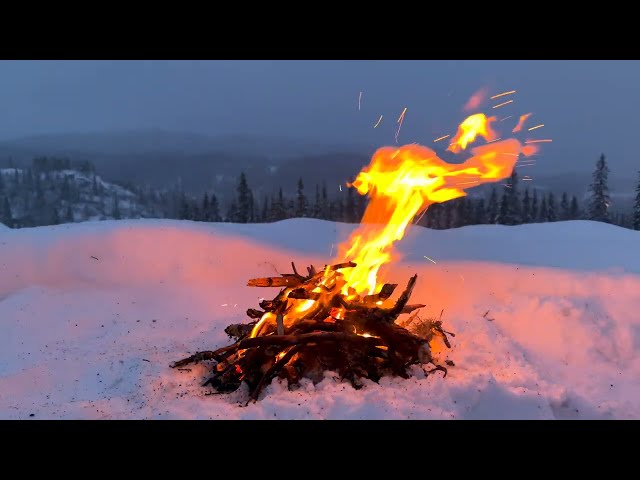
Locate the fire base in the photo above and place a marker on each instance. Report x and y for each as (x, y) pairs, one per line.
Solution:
(356, 337)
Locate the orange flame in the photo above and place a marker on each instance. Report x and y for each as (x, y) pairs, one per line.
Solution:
(518, 127)
(476, 100)
(402, 183)
(469, 129)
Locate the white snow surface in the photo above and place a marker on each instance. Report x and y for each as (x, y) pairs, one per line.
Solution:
(92, 338)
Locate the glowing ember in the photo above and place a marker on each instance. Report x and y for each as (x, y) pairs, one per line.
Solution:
(476, 100)
(523, 118)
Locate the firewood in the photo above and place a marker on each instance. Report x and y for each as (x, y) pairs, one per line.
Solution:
(356, 338)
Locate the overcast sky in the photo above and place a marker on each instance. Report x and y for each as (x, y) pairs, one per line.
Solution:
(587, 107)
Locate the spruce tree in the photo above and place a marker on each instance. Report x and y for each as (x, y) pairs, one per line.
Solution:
(534, 206)
(552, 215)
(542, 212)
(324, 208)
(493, 207)
(574, 209)
(350, 206)
(503, 214)
(55, 216)
(512, 214)
(565, 212)
(480, 214)
(317, 208)
(278, 211)
(205, 215)
(244, 200)
(6, 217)
(214, 209)
(265, 209)
(117, 215)
(302, 206)
(68, 216)
(526, 207)
(600, 201)
(636, 208)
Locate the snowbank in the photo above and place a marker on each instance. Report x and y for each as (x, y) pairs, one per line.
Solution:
(92, 314)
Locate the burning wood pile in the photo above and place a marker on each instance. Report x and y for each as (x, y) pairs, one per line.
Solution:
(311, 327)
(341, 319)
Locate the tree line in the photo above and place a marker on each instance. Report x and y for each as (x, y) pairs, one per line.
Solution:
(506, 205)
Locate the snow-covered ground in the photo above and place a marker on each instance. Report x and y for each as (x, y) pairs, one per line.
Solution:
(92, 314)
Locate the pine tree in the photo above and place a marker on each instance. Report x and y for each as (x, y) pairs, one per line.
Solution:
(232, 213)
(526, 207)
(511, 214)
(116, 209)
(252, 208)
(214, 209)
(55, 217)
(552, 215)
(574, 209)
(278, 211)
(636, 207)
(480, 214)
(493, 207)
(503, 214)
(565, 212)
(324, 209)
(2, 183)
(350, 206)
(245, 200)
(68, 217)
(534, 206)
(205, 215)
(6, 217)
(185, 208)
(600, 201)
(302, 206)
(542, 213)
(265, 210)
(317, 206)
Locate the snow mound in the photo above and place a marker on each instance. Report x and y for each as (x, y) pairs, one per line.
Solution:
(93, 313)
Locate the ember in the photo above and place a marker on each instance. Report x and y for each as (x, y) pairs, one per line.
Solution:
(342, 318)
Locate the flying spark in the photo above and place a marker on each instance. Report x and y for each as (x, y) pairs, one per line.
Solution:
(494, 140)
(429, 259)
(340, 187)
(378, 122)
(503, 94)
(400, 120)
(502, 104)
(441, 138)
(331, 252)
(359, 100)
(536, 127)
(523, 118)
(539, 141)
(467, 183)
(505, 118)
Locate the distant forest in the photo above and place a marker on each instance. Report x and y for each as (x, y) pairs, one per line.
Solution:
(56, 190)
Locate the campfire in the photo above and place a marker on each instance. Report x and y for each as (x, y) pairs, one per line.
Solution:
(342, 318)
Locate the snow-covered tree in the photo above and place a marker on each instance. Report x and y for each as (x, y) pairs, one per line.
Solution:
(600, 201)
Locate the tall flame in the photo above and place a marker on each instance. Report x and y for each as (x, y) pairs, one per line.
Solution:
(403, 182)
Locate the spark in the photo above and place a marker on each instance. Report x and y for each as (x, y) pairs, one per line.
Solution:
(419, 218)
(526, 165)
(378, 122)
(467, 183)
(502, 104)
(539, 141)
(359, 100)
(429, 259)
(536, 127)
(441, 138)
(340, 187)
(527, 179)
(400, 120)
(494, 140)
(505, 118)
(331, 251)
(503, 94)
(401, 117)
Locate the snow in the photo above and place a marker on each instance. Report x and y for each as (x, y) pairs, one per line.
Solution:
(92, 314)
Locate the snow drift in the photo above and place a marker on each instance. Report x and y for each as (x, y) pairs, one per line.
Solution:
(92, 314)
